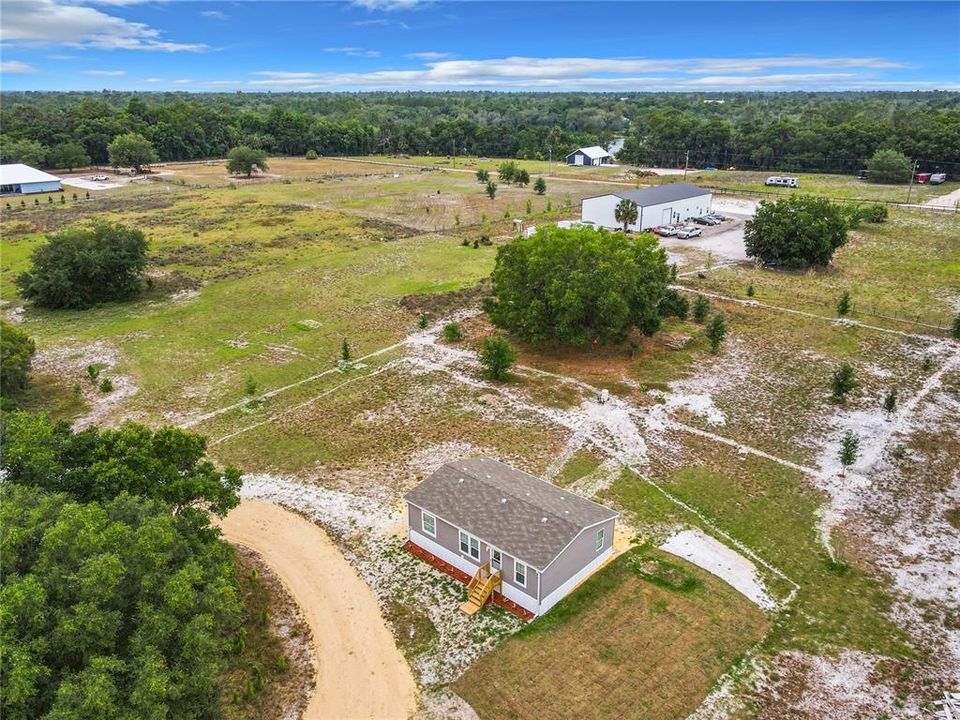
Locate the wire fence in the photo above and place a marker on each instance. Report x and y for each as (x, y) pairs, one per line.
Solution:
(787, 192)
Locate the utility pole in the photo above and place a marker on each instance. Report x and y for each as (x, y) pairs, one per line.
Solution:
(912, 176)
(686, 161)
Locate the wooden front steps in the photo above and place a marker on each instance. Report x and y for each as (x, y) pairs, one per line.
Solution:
(479, 589)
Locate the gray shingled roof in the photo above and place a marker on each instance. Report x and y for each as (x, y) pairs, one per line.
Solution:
(525, 517)
(662, 194)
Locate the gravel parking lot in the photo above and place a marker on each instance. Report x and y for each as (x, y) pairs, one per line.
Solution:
(725, 240)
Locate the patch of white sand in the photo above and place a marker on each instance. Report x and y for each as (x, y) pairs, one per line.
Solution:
(708, 553)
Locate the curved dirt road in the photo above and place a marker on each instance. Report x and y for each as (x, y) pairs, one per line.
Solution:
(360, 671)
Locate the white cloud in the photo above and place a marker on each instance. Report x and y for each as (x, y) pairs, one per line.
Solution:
(371, 22)
(622, 74)
(214, 15)
(15, 67)
(430, 55)
(48, 22)
(105, 73)
(387, 5)
(353, 52)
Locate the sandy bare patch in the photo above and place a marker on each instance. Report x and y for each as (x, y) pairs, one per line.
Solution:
(360, 671)
(716, 558)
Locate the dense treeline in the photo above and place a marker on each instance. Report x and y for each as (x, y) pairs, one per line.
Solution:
(828, 131)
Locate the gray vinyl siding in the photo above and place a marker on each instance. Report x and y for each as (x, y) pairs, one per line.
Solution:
(449, 537)
(580, 553)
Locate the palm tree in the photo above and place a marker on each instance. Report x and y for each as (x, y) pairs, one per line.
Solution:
(626, 213)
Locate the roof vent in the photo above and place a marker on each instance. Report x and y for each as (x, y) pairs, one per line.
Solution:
(503, 501)
(543, 519)
(460, 480)
(528, 494)
(566, 512)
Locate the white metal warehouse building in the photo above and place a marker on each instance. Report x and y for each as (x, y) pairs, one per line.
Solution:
(20, 179)
(661, 205)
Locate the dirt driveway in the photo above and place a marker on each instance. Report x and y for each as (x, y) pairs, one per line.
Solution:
(360, 671)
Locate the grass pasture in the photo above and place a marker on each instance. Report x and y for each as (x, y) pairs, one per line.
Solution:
(620, 647)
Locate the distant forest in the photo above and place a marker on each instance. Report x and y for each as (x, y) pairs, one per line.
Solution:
(833, 132)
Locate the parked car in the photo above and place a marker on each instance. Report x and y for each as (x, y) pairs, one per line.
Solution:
(689, 232)
(100, 178)
(666, 230)
(706, 220)
(718, 217)
(938, 178)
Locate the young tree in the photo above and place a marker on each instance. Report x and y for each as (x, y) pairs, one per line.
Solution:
(843, 382)
(540, 186)
(626, 213)
(547, 287)
(345, 354)
(955, 327)
(491, 189)
(496, 358)
(843, 304)
(751, 291)
(889, 167)
(890, 401)
(243, 160)
(507, 171)
(701, 308)
(131, 150)
(521, 178)
(69, 155)
(16, 355)
(311, 155)
(483, 176)
(85, 265)
(716, 332)
(849, 451)
(795, 232)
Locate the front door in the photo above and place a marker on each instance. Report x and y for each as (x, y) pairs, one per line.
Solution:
(496, 559)
(578, 159)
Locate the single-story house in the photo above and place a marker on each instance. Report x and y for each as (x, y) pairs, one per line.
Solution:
(595, 155)
(660, 205)
(529, 540)
(20, 179)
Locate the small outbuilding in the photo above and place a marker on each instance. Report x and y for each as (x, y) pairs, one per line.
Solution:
(516, 539)
(20, 179)
(660, 205)
(594, 155)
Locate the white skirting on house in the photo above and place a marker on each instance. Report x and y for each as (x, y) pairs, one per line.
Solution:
(561, 592)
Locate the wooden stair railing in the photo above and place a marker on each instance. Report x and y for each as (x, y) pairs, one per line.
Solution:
(480, 587)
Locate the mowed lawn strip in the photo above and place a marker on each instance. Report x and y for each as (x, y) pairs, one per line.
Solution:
(619, 647)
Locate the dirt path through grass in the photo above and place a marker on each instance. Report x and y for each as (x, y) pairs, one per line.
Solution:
(360, 673)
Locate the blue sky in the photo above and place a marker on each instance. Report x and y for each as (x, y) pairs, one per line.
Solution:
(411, 44)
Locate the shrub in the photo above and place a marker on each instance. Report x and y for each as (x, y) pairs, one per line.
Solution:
(16, 355)
(311, 155)
(540, 187)
(521, 178)
(106, 385)
(82, 266)
(93, 372)
(955, 327)
(889, 167)
(250, 386)
(751, 291)
(701, 308)
(423, 321)
(507, 171)
(243, 160)
(795, 232)
(716, 332)
(674, 304)
(578, 286)
(849, 449)
(890, 401)
(485, 240)
(843, 304)
(491, 189)
(496, 358)
(345, 354)
(842, 382)
(452, 332)
(483, 176)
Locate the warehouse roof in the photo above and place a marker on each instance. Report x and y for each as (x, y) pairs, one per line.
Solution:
(662, 194)
(522, 515)
(18, 174)
(593, 152)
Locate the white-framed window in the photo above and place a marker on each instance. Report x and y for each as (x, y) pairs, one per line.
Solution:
(600, 538)
(469, 545)
(519, 573)
(429, 524)
(496, 559)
